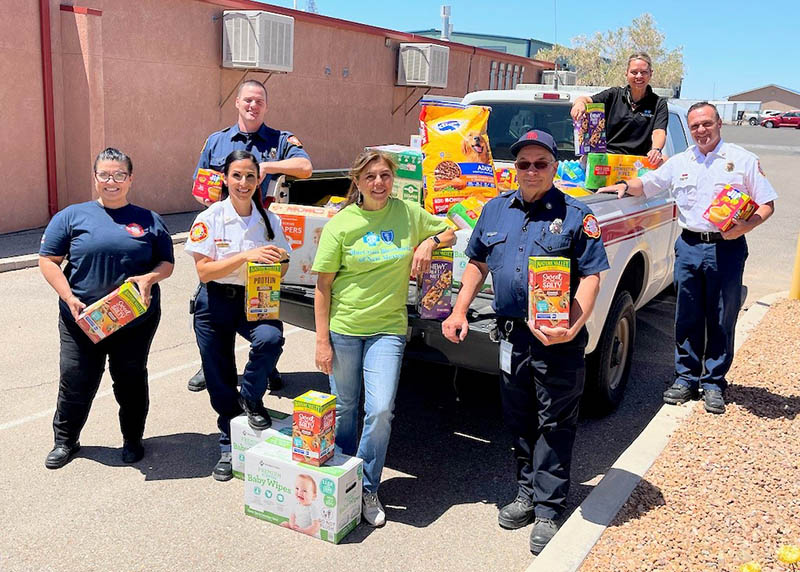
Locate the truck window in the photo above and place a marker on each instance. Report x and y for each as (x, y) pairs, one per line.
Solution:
(676, 134)
(510, 120)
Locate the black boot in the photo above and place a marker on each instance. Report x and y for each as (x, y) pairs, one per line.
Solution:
(197, 381)
(61, 455)
(516, 514)
(257, 416)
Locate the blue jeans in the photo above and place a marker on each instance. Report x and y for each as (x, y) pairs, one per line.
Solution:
(377, 359)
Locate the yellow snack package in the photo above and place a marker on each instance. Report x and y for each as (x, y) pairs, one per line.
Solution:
(457, 159)
(262, 291)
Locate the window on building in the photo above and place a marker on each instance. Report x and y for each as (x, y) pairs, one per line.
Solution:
(509, 71)
(501, 76)
(522, 74)
(493, 76)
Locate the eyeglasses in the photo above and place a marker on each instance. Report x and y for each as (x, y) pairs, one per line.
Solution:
(105, 176)
(537, 165)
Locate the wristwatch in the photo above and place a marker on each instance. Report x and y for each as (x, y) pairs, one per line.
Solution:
(657, 149)
(626, 185)
(436, 240)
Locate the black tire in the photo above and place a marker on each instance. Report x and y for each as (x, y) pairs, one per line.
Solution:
(609, 365)
(753, 121)
(769, 125)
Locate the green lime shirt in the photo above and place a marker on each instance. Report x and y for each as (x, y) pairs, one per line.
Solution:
(371, 252)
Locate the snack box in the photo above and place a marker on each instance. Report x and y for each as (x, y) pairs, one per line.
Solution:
(729, 205)
(313, 427)
(590, 131)
(262, 296)
(243, 436)
(326, 499)
(302, 226)
(112, 312)
(548, 291)
(408, 178)
(465, 213)
(506, 179)
(433, 290)
(603, 169)
(208, 185)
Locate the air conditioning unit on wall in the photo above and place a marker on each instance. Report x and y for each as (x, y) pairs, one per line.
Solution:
(422, 65)
(252, 39)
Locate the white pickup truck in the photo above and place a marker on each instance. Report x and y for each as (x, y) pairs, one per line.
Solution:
(638, 234)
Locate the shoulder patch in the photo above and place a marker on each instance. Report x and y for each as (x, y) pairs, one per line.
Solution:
(294, 141)
(591, 227)
(198, 232)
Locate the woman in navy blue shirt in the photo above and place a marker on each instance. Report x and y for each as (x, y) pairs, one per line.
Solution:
(104, 243)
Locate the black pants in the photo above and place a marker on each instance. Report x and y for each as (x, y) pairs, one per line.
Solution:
(540, 400)
(82, 364)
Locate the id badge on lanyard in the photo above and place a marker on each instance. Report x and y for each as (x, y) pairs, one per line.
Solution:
(505, 356)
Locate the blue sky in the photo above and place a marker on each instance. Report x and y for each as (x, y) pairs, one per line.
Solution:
(728, 47)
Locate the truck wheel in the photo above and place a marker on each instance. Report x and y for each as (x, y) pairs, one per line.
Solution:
(608, 366)
(753, 121)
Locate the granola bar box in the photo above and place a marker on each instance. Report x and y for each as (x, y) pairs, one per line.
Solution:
(111, 312)
(603, 169)
(313, 427)
(590, 131)
(729, 205)
(433, 294)
(548, 291)
(262, 291)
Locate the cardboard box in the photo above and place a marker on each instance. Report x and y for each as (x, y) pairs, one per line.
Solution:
(314, 427)
(548, 291)
(408, 179)
(262, 291)
(208, 185)
(243, 436)
(112, 312)
(729, 205)
(433, 290)
(603, 169)
(302, 226)
(329, 495)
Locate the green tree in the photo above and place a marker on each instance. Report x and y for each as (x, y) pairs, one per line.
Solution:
(602, 59)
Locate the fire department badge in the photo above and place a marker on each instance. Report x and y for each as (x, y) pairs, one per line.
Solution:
(557, 226)
(591, 227)
(199, 232)
(295, 141)
(134, 229)
(729, 166)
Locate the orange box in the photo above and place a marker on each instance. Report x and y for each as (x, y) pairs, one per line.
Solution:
(208, 185)
(548, 291)
(112, 312)
(729, 205)
(313, 427)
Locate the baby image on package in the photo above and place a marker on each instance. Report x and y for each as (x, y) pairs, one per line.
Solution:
(305, 516)
(457, 159)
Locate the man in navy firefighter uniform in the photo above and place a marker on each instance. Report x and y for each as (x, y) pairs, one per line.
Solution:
(542, 367)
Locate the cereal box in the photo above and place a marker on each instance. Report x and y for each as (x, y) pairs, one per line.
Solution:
(408, 178)
(313, 427)
(729, 205)
(433, 290)
(506, 179)
(457, 158)
(302, 226)
(548, 291)
(243, 436)
(321, 502)
(112, 312)
(603, 169)
(208, 185)
(262, 296)
(465, 213)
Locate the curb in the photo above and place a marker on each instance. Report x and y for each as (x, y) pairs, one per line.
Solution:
(581, 531)
(32, 260)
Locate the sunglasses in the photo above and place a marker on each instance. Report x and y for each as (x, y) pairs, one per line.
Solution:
(537, 165)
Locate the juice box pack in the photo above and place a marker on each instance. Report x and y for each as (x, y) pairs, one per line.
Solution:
(244, 437)
(408, 178)
(729, 205)
(590, 130)
(548, 291)
(302, 226)
(208, 184)
(322, 502)
(465, 213)
(433, 290)
(313, 427)
(112, 312)
(262, 291)
(603, 169)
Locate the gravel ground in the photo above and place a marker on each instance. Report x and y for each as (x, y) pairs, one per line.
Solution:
(726, 490)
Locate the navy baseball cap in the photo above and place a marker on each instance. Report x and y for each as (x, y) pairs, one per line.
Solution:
(536, 137)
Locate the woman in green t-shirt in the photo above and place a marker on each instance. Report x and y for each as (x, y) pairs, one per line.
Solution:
(365, 256)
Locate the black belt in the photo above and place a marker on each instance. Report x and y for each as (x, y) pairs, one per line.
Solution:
(702, 236)
(227, 290)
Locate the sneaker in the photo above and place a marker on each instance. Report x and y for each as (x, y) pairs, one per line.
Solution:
(516, 514)
(372, 509)
(713, 401)
(275, 381)
(678, 394)
(257, 416)
(132, 451)
(544, 529)
(61, 455)
(223, 470)
(197, 381)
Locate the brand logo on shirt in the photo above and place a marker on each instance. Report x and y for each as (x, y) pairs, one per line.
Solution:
(134, 229)
(647, 112)
(371, 238)
(387, 236)
(591, 227)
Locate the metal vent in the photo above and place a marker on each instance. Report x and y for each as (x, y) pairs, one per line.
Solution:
(564, 77)
(423, 65)
(252, 39)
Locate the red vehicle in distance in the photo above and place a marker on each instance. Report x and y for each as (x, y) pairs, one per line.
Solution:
(785, 119)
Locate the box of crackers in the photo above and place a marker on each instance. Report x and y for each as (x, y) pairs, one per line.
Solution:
(262, 297)
(548, 291)
(590, 130)
(111, 312)
(313, 427)
(433, 289)
(729, 205)
(208, 185)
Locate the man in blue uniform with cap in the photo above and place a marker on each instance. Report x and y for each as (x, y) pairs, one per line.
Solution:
(278, 153)
(542, 367)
